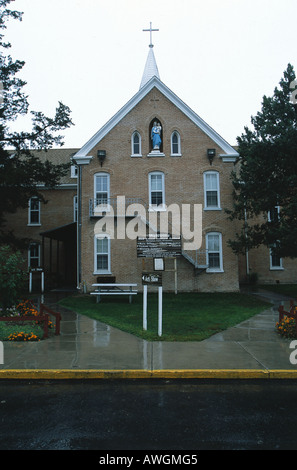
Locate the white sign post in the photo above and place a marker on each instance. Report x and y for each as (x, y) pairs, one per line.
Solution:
(145, 307)
(153, 279)
(160, 310)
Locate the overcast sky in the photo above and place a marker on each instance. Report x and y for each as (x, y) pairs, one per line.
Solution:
(219, 56)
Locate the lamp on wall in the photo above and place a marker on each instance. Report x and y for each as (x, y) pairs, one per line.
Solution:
(101, 154)
(211, 153)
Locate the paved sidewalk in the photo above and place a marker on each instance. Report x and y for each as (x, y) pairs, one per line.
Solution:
(87, 348)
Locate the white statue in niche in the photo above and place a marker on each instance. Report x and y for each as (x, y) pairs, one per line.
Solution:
(156, 135)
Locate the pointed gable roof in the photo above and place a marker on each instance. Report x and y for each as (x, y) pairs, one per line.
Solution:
(229, 151)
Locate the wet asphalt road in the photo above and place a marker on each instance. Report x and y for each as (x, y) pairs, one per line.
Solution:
(157, 414)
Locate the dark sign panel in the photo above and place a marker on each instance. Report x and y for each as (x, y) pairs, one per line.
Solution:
(151, 279)
(158, 247)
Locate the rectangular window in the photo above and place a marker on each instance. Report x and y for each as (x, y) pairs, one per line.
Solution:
(273, 214)
(211, 190)
(101, 189)
(157, 192)
(102, 254)
(34, 255)
(276, 262)
(214, 252)
(34, 211)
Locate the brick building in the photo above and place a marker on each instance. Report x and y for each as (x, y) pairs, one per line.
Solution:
(122, 183)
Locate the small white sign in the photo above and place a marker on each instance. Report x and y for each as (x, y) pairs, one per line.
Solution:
(159, 264)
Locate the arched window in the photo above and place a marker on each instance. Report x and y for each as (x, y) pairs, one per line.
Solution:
(136, 144)
(175, 144)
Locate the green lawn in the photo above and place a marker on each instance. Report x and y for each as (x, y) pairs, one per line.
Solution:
(186, 317)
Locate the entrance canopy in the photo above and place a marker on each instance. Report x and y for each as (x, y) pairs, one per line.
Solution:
(63, 233)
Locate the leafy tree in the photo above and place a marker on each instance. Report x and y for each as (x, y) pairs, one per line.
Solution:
(265, 183)
(11, 276)
(21, 170)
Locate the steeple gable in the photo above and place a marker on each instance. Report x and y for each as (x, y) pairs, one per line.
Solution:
(150, 69)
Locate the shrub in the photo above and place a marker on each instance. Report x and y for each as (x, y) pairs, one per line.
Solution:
(11, 276)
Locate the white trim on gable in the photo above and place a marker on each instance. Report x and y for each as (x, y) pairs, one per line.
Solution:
(155, 82)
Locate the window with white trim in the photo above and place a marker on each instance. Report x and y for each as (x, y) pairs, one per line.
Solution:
(34, 211)
(101, 187)
(136, 144)
(175, 144)
(73, 171)
(34, 255)
(102, 254)
(211, 190)
(157, 190)
(276, 262)
(273, 214)
(214, 252)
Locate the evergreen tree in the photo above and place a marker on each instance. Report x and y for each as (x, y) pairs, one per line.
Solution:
(21, 170)
(265, 183)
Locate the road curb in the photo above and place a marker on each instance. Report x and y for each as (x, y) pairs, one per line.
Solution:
(83, 374)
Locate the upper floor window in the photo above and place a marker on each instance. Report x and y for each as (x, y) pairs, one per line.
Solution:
(34, 211)
(136, 144)
(101, 189)
(211, 190)
(214, 252)
(175, 144)
(157, 190)
(73, 171)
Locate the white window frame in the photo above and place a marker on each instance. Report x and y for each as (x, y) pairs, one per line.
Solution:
(96, 269)
(178, 153)
(30, 258)
(133, 153)
(275, 267)
(277, 211)
(218, 269)
(105, 208)
(218, 206)
(31, 211)
(160, 207)
(73, 171)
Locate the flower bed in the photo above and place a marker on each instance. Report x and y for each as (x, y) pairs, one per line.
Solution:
(287, 323)
(17, 320)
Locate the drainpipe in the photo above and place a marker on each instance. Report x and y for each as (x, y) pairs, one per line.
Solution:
(79, 162)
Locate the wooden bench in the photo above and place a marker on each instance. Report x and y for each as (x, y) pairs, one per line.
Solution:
(113, 289)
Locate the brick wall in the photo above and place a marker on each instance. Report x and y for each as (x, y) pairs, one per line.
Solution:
(183, 185)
